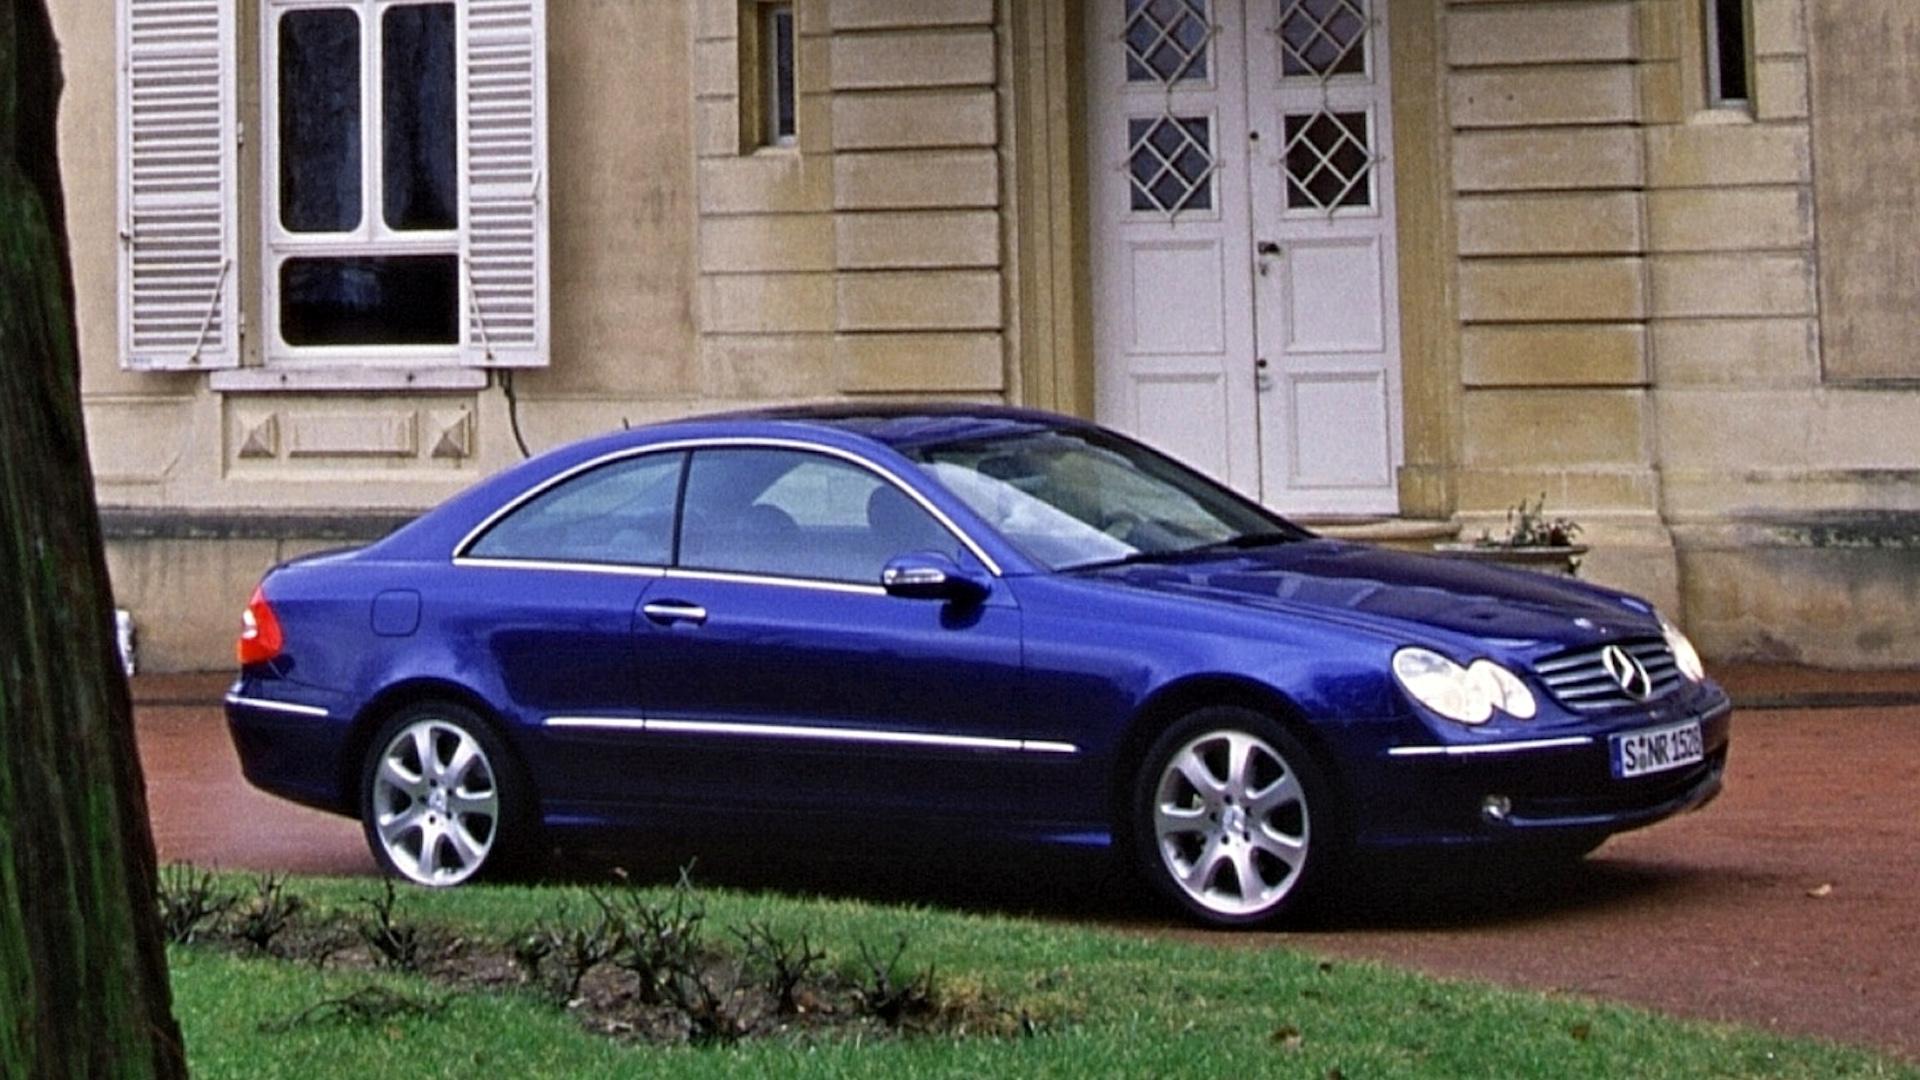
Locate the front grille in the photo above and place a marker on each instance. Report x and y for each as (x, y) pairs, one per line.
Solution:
(1579, 678)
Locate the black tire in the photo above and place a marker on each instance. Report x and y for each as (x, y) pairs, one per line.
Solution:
(468, 813)
(1225, 859)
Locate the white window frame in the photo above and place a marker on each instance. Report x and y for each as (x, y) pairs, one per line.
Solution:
(181, 262)
(373, 237)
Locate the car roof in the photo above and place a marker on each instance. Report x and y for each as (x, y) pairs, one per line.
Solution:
(905, 425)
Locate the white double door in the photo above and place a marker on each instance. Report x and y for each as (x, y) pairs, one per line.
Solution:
(1246, 314)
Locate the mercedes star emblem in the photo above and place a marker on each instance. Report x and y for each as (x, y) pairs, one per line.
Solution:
(1630, 673)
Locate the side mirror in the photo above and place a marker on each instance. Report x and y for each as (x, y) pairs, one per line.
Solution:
(927, 575)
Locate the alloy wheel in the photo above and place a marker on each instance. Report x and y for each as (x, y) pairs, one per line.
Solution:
(1230, 823)
(435, 802)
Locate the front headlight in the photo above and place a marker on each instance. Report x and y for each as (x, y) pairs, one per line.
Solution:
(1465, 695)
(1685, 656)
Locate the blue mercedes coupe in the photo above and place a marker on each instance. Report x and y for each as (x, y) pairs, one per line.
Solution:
(978, 624)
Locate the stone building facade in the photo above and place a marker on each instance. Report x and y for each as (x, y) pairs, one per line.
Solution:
(1389, 265)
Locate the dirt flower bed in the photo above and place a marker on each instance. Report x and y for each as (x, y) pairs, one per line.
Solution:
(630, 964)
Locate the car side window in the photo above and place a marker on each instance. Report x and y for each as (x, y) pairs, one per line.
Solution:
(620, 513)
(790, 513)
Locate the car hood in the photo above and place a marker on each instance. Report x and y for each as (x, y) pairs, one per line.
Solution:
(1391, 589)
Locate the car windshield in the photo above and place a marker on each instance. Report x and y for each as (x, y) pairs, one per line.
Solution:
(1075, 499)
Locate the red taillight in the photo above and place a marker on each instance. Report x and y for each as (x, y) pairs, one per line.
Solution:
(259, 631)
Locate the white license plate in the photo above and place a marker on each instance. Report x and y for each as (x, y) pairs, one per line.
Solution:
(1638, 753)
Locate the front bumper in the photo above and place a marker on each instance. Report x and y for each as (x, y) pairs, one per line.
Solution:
(1558, 786)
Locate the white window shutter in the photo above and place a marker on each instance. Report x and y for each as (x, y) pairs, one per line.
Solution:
(178, 186)
(504, 143)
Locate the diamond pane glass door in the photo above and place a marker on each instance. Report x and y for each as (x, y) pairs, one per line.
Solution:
(1172, 246)
(1326, 268)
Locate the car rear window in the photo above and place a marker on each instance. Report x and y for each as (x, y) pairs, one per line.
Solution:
(620, 513)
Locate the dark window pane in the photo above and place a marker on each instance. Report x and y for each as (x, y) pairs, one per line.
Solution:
(320, 120)
(1730, 47)
(793, 514)
(781, 23)
(620, 513)
(1324, 38)
(1166, 40)
(1329, 161)
(371, 300)
(418, 118)
(1171, 163)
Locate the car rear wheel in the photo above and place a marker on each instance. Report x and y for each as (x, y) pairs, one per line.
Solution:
(1233, 820)
(442, 799)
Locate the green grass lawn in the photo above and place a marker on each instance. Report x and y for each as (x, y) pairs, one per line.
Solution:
(1109, 1003)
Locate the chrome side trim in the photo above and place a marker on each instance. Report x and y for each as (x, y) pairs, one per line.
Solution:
(1519, 747)
(677, 574)
(605, 723)
(826, 734)
(1040, 746)
(459, 549)
(277, 706)
(731, 729)
(549, 564)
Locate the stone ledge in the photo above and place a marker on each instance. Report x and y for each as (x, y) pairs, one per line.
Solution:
(1829, 530)
(131, 523)
(1407, 534)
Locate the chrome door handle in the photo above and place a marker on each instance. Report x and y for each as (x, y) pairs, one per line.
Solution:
(668, 612)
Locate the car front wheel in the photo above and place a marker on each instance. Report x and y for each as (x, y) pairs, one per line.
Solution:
(1231, 817)
(441, 798)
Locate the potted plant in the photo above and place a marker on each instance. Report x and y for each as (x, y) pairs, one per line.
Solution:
(1532, 541)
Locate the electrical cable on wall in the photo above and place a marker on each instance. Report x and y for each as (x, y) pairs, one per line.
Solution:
(513, 411)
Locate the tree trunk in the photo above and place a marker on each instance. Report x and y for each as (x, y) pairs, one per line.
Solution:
(83, 981)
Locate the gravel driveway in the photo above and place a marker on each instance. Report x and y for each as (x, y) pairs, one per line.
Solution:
(1791, 903)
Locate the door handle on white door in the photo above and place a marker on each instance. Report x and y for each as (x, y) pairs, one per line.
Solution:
(1266, 250)
(667, 612)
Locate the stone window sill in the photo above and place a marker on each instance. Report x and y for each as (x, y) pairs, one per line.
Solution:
(251, 380)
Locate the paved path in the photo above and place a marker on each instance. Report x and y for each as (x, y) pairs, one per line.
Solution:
(205, 812)
(1792, 903)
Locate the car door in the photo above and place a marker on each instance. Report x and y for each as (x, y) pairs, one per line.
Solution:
(780, 676)
(549, 590)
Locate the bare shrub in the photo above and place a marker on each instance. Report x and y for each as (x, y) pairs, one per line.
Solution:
(885, 994)
(191, 902)
(394, 940)
(268, 913)
(786, 963)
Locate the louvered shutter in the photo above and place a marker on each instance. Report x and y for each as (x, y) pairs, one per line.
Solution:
(504, 140)
(178, 193)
